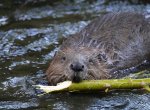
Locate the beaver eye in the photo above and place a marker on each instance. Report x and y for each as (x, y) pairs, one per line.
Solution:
(102, 57)
(63, 58)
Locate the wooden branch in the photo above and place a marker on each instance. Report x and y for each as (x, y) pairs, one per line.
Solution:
(98, 85)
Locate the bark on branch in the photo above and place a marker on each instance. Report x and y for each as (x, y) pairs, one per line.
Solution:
(93, 85)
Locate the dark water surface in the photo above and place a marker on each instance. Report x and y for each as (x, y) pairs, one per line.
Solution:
(30, 34)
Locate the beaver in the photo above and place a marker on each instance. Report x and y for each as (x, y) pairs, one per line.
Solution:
(111, 42)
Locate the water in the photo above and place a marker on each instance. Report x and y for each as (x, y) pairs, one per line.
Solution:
(31, 32)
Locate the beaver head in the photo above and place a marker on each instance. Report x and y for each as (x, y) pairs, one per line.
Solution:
(77, 64)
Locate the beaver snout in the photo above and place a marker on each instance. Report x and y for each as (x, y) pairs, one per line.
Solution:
(77, 67)
(78, 70)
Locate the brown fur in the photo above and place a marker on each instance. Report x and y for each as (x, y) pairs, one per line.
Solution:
(111, 42)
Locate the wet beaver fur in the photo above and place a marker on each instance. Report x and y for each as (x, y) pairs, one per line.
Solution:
(111, 42)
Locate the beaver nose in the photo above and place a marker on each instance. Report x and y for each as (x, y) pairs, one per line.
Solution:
(77, 67)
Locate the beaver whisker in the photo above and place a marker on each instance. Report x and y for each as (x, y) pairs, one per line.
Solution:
(67, 76)
(57, 78)
(93, 73)
(89, 77)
